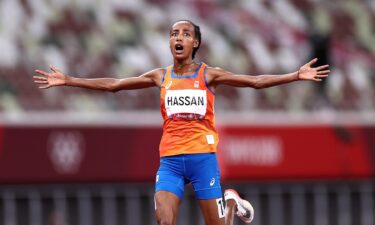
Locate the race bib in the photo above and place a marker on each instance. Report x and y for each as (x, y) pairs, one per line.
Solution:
(186, 104)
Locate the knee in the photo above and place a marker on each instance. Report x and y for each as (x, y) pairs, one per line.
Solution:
(165, 216)
(165, 222)
(164, 219)
(166, 205)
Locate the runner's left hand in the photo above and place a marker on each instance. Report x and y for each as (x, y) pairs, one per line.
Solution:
(307, 72)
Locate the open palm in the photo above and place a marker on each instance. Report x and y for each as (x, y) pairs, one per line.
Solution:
(307, 72)
(47, 80)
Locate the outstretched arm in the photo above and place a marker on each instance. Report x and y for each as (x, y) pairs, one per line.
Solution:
(58, 78)
(306, 72)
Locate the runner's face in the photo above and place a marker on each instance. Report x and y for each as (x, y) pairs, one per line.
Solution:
(182, 40)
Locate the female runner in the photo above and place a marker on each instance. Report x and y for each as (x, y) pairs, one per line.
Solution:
(189, 140)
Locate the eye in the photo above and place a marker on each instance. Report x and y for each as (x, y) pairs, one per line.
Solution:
(173, 34)
(187, 34)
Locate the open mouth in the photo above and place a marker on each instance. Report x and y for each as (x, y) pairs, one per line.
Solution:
(179, 48)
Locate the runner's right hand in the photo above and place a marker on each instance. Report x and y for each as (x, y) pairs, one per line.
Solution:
(47, 80)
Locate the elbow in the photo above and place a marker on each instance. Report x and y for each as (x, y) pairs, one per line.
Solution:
(112, 87)
(255, 82)
(257, 85)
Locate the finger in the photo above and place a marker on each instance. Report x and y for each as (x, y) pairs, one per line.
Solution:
(39, 78)
(41, 81)
(322, 67)
(312, 62)
(324, 72)
(44, 87)
(317, 79)
(42, 73)
(54, 69)
(321, 76)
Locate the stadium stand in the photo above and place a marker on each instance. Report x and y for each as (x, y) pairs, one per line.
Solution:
(118, 38)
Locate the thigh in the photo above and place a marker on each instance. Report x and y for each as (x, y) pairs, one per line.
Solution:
(203, 171)
(213, 211)
(166, 207)
(170, 176)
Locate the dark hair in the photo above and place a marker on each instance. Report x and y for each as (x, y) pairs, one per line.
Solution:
(197, 34)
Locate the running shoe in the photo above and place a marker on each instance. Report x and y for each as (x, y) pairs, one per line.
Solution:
(244, 209)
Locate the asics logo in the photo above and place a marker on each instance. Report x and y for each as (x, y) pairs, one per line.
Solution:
(212, 182)
(168, 85)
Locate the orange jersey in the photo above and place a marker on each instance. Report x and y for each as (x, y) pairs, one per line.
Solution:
(187, 107)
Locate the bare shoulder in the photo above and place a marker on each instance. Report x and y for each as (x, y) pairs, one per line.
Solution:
(213, 74)
(156, 75)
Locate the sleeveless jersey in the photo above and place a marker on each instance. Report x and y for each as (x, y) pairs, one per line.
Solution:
(187, 108)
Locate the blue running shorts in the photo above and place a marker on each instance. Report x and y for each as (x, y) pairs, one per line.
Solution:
(201, 170)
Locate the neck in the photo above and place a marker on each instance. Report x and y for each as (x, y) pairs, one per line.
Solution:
(182, 63)
(183, 66)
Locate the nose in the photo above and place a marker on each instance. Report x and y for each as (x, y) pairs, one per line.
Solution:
(179, 36)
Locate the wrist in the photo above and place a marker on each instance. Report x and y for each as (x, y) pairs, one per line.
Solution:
(297, 75)
(68, 80)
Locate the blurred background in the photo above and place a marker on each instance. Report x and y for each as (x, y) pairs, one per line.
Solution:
(302, 153)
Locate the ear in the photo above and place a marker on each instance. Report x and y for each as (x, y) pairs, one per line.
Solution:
(196, 43)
